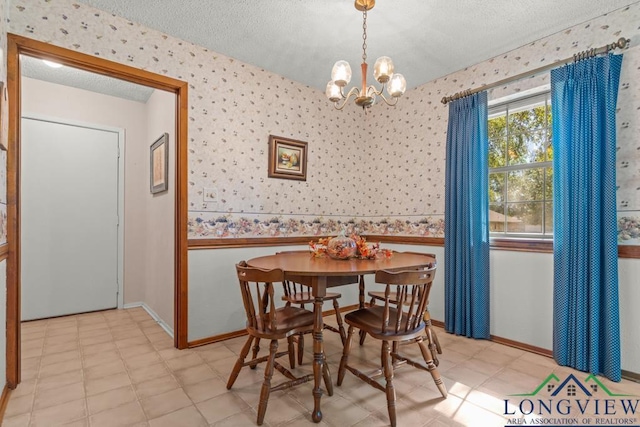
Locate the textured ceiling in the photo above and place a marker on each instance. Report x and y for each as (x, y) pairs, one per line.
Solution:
(68, 76)
(301, 39)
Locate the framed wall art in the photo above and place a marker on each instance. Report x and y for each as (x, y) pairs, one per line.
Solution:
(160, 164)
(287, 158)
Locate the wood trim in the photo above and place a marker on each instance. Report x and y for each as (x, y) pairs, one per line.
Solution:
(304, 240)
(628, 251)
(217, 338)
(181, 300)
(522, 346)
(522, 245)
(631, 376)
(511, 343)
(4, 251)
(13, 214)
(236, 334)
(515, 245)
(4, 400)
(17, 45)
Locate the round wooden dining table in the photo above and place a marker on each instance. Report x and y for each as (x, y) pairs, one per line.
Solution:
(321, 273)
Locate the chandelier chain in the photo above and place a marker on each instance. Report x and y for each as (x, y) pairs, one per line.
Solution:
(364, 36)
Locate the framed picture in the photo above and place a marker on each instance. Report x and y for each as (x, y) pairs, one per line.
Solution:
(160, 164)
(287, 158)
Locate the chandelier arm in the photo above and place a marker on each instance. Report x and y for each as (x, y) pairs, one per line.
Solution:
(386, 101)
(353, 92)
(376, 91)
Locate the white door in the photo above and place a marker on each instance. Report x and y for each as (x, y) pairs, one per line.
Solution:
(69, 219)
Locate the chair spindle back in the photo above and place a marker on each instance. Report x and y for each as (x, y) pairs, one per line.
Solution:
(412, 289)
(256, 287)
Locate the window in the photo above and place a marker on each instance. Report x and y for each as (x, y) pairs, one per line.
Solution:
(521, 168)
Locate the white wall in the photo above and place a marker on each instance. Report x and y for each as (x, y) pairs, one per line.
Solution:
(160, 212)
(215, 305)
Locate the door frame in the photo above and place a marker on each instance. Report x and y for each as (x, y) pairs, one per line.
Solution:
(19, 45)
(120, 132)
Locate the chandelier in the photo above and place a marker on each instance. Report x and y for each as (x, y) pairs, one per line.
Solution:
(382, 71)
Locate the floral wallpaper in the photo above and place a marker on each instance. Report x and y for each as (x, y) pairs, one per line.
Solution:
(382, 172)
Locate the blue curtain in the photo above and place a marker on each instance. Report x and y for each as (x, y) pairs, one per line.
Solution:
(466, 238)
(585, 303)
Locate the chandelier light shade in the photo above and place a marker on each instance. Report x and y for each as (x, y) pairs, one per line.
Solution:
(383, 72)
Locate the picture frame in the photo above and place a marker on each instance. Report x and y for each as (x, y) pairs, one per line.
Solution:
(159, 162)
(287, 158)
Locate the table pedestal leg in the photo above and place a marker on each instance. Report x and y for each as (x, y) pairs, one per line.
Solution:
(318, 359)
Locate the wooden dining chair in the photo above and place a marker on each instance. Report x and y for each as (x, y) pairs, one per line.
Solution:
(432, 338)
(297, 291)
(266, 321)
(391, 324)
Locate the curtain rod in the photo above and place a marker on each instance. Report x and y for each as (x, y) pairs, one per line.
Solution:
(622, 43)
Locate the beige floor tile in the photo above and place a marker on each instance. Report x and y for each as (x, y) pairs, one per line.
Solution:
(24, 388)
(130, 342)
(61, 367)
(100, 385)
(186, 361)
(58, 395)
(165, 403)
(60, 380)
(249, 418)
(141, 360)
(96, 339)
(221, 407)
(19, 405)
(137, 350)
(98, 348)
(204, 390)
(66, 330)
(156, 386)
(60, 414)
(106, 369)
(125, 415)
(64, 356)
(216, 353)
(17, 421)
(58, 347)
(282, 408)
(31, 352)
(185, 417)
(194, 374)
(97, 359)
(146, 373)
(123, 360)
(111, 399)
(51, 340)
(341, 411)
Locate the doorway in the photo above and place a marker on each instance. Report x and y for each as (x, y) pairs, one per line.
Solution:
(17, 46)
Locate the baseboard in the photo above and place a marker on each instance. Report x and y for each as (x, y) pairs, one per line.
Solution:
(631, 376)
(153, 314)
(4, 400)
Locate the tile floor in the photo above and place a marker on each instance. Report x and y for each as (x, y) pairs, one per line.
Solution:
(119, 368)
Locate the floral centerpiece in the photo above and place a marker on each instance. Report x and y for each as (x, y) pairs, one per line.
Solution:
(342, 247)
